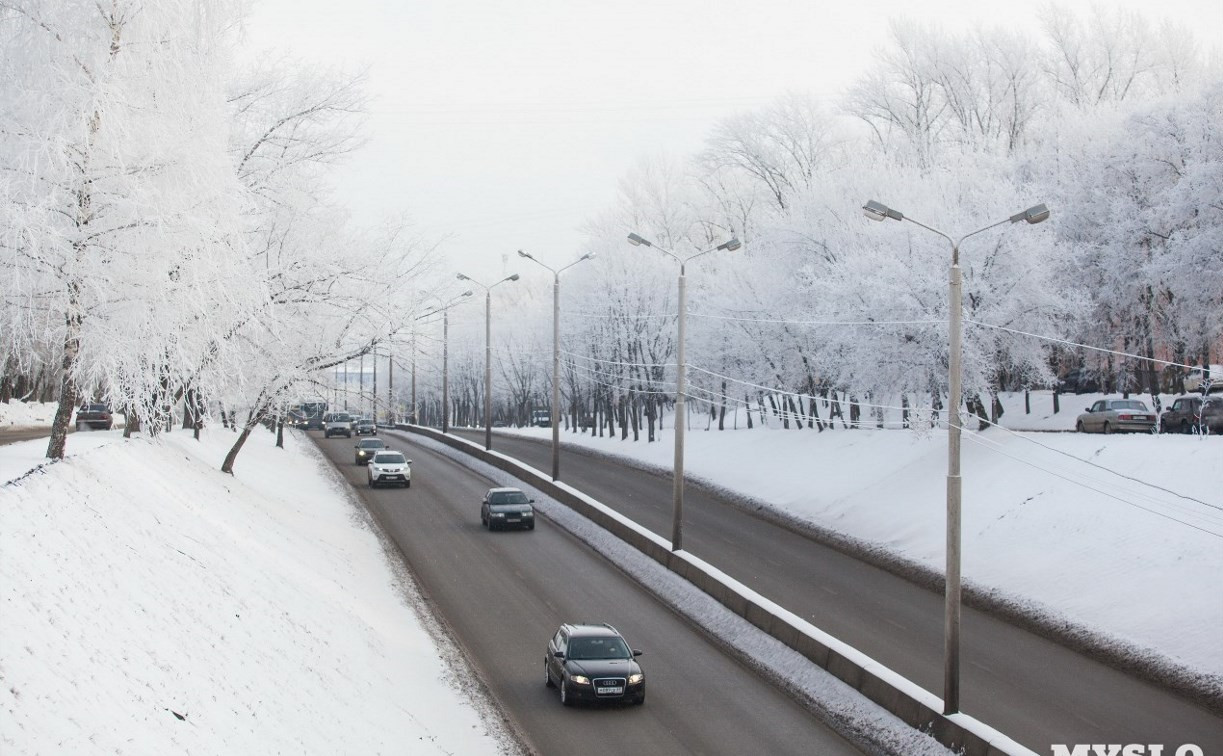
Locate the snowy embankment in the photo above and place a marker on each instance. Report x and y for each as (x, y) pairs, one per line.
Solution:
(155, 605)
(1121, 536)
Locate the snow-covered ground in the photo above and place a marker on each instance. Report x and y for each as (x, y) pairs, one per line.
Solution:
(152, 604)
(140, 585)
(1122, 534)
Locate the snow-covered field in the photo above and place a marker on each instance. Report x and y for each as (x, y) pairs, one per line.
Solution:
(1122, 534)
(152, 604)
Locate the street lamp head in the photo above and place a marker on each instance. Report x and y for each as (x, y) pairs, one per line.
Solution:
(588, 256)
(730, 246)
(466, 293)
(512, 278)
(461, 277)
(1034, 214)
(878, 211)
(637, 241)
(524, 254)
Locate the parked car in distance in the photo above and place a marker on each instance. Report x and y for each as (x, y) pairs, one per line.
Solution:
(1078, 381)
(94, 417)
(366, 427)
(591, 662)
(1116, 416)
(367, 448)
(507, 508)
(339, 424)
(1191, 414)
(1197, 377)
(389, 467)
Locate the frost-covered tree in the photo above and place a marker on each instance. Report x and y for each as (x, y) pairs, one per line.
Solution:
(117, 193)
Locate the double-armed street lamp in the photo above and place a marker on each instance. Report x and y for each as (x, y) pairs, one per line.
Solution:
(951, 617)
(556, 355)
(677, 517)
(488, 352)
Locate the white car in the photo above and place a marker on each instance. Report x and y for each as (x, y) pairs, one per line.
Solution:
(1197, 376)
(389, 467)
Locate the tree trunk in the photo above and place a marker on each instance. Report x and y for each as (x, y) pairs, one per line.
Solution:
(722, 407)
(67, 387)
(251, 421)
(747, 404)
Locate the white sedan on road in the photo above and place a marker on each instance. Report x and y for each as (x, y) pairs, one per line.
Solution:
(389, 467)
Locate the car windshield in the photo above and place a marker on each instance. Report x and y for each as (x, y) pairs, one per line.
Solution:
(392, 458)
(339, 418)
(508, 497)
(96, 408)
(371, 443)
(611, 647)
(1130, 404)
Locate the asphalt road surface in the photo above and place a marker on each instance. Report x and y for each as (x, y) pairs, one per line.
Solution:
(503, 594)
(1033, 690)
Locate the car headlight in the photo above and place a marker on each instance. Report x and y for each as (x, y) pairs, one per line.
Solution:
(634, 679)
(580, 680)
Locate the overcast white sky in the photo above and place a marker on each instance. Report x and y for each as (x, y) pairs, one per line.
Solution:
(504, 125)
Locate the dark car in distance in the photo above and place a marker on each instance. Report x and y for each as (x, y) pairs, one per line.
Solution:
(367, 448)
(507, 508)
(592, 662)
(1078, 381)
(366, 427)
(1193, 414)
(94, 417)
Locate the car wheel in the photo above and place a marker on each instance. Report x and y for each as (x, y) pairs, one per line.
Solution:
(548, 677)
(371, 483)
(1079, 427)
(1107, 428)
(80, 427)
(1185, 427)
(566, 699)
(640, 699)
(531, 526)
(407, 484)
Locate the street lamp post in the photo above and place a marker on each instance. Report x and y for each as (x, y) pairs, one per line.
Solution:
(556, 356)
(444, 309)
(677, 517)
(951, 610)
(488, 352)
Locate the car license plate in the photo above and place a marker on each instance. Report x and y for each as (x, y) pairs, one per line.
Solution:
(513, 519)
(609, 691)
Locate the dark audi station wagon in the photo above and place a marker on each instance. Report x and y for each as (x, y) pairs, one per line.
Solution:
(593, 663)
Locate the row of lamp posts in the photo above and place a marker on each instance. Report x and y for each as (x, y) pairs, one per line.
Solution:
(874, 211)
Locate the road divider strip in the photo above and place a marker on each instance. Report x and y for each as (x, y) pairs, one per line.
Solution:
(898, 695)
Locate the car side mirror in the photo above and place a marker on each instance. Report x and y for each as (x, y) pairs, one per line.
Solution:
(636, 652)
(1087, 409)
(530, 501)
(409, 462)
(559, 654)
